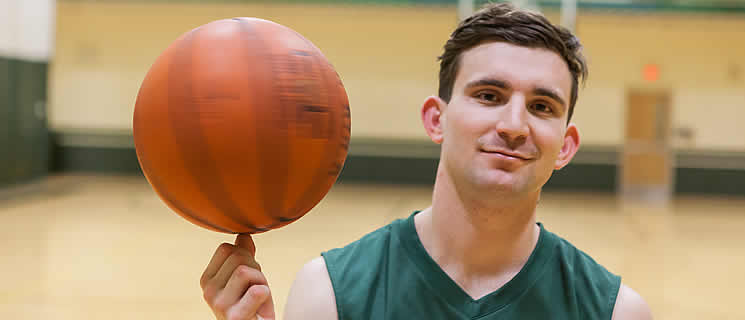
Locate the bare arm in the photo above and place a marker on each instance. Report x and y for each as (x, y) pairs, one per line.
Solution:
(311, 295)
(630, 306)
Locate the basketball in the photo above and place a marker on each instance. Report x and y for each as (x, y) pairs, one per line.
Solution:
(241, 125)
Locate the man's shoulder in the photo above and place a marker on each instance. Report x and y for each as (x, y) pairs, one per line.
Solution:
(355, 269)
(631, 306)
(577, 259)
(591, 279)
(584, 278)
(312, 295)
(369, 243)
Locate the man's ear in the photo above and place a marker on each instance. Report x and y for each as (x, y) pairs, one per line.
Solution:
(570, 147)
(433, 117)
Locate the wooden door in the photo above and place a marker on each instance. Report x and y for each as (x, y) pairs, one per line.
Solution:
(646, 169)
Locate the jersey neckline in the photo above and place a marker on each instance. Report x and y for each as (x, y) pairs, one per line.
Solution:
(445, 287)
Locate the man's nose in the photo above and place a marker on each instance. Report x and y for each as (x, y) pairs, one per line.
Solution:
(512, 124)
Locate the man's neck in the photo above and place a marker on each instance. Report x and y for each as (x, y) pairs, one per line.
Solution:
(480, 246)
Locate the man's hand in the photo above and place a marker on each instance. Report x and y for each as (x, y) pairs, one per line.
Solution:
(233, 285)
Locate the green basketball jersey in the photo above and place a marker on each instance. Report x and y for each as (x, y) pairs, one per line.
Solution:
(388, 274)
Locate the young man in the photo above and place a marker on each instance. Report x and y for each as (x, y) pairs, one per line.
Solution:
(508, 86)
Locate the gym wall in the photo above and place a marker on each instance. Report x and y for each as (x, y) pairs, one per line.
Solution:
(386, 56)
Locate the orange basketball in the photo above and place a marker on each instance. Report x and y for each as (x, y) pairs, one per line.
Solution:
(241, 125)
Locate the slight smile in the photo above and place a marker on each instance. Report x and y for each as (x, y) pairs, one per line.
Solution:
(507, 155)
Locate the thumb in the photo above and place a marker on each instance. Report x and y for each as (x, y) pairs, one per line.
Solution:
(244, 240)
(266, 310)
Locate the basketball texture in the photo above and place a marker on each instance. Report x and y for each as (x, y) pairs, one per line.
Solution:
(241, 125)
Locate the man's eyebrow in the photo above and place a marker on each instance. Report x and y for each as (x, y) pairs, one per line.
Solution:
(490, 83)
(549, 93)
(539, 91)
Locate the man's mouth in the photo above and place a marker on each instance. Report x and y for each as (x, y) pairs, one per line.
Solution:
(508, 154)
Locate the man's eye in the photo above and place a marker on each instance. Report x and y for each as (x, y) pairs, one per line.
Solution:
(486, 96)
(543, 108)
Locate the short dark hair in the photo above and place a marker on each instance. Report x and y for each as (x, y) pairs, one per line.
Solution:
(503, 22)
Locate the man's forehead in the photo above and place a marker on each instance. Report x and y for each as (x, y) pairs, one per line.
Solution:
(520, 66)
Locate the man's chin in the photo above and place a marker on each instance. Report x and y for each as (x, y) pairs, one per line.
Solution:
(500, 180)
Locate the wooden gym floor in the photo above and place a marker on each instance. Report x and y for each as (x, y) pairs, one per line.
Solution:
(103, 247)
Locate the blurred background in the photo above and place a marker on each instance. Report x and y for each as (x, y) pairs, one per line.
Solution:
(656, 193)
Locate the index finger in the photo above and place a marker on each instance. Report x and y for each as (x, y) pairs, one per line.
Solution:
(244, 240)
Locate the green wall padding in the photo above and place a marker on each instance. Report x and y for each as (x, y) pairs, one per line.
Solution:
(24, 136)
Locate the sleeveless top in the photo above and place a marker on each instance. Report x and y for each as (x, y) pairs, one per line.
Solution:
(387, 274)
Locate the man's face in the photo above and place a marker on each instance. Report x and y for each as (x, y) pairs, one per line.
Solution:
(506, 122)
